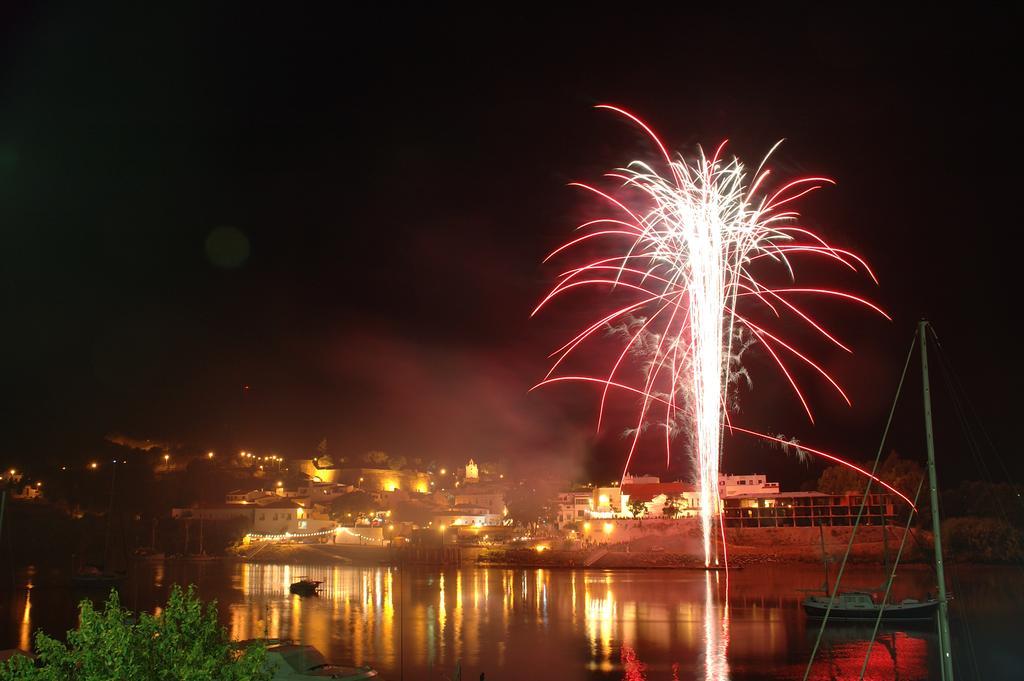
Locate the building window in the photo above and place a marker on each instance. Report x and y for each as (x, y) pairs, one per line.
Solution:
(262, 516)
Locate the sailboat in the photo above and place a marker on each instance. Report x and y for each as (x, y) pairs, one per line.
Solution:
(97, 576)
(862, 605)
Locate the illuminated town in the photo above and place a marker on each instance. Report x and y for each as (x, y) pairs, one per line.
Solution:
(486, 343)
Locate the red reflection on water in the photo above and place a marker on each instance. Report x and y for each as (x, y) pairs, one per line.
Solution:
(632, 667)
(895, 655)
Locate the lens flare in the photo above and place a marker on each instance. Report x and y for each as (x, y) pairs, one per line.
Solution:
(688, 252)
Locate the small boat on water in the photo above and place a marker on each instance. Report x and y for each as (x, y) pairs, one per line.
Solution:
(294, 662)
(305, 587)
(147, 553)
(860, 606)
(92, 576)
(289, 661)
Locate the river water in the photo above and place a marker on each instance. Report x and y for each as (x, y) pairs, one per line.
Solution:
(420, 622)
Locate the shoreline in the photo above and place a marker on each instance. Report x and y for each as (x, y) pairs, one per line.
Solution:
(600, 558)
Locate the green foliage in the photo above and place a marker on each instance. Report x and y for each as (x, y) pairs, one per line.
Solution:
(903, 474)
(183, 643)
(376, 459)
(637, 508)
(356, 503)
(986, 500)
(982, 540)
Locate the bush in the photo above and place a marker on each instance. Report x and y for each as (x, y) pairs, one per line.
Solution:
(184, 643)
(982, 540)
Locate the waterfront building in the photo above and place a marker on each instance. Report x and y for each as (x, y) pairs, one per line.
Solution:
(806, 509)
(734, 485)
(466, 516)
(656, 496)
(484, 495)
(608, 502)
(574, 507)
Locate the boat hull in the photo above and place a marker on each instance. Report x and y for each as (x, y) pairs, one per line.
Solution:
(900, 612)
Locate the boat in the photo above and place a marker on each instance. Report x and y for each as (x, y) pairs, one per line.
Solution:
(853, 606)
(861, 606)
(147, 553)
(305, 587)
(290, 661)
(96, 575)
(294, 662)
(92, 576)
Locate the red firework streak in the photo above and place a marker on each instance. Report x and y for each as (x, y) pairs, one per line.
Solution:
(683, 244)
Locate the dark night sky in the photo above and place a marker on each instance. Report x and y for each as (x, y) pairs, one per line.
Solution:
(399, 178)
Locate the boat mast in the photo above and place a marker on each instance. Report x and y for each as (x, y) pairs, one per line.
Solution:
(945, 654)
(824, 556)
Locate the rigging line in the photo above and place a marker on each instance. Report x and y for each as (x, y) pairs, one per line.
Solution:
(972, 654)
(958, 409)
(955, 392)
(924, 549)
(973, 446)
(973, 412)
(892, 577)
(860, 511)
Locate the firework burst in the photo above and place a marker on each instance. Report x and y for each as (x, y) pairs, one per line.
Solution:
(685, 241)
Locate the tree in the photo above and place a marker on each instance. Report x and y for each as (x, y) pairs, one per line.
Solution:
(183, 642)
(376, 459)
(903, 474)
(983, 540)
(354, 503)
(840, 480)
(986, 500)
(671, 508)
(637, 507)
(526, 506)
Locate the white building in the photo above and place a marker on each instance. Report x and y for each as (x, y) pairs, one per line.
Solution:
(733, 485)
(608, 502)
(483, 495)
(574, 506)
(657, 495)
(640, 480)
(467, 516)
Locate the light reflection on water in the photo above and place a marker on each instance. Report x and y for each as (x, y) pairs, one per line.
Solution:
(562, 624)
